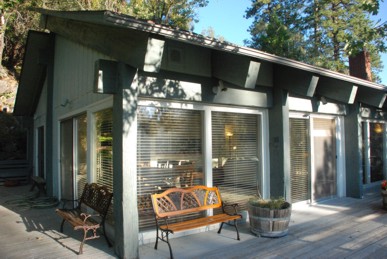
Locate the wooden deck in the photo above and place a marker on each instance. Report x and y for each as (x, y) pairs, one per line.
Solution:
(338, 228)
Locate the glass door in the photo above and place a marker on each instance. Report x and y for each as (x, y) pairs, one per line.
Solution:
(73, 140)
(324, 164)
(67, 159)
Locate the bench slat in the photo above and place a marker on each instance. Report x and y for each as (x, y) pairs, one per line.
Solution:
(199, 222)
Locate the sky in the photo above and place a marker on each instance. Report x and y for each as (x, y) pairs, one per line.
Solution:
(226, 18)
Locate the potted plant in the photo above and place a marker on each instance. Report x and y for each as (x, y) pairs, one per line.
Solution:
(269, 218)
(384, 193)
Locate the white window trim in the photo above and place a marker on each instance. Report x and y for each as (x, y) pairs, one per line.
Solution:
(340, 148)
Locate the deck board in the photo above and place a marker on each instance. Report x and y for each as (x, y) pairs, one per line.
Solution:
(338, 228)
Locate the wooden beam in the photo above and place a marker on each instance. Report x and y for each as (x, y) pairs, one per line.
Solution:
(105, 81)
(235, 69)
(231, 94)
(252, 75)
(296, 81)
(371, 97)
(338, 90)
(154, 55)
(124, 164)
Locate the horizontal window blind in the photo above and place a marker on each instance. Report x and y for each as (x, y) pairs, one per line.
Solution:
(169, 154)
(376, 151)
(81, 153)
(235, 161)
(104, 151)
(299, 160)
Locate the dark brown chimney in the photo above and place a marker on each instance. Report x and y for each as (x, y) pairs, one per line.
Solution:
(360, 65)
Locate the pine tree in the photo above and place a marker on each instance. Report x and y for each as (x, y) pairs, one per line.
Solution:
(321, 32)
(176, 13)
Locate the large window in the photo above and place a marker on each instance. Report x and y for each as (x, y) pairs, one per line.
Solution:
(235, 153)
(373, 149)
(169, 153)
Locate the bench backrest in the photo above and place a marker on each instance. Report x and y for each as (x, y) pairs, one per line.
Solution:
(96, 197)
(176, 201)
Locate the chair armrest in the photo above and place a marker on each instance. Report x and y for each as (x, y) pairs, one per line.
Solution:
(164, 219)
(85, 216)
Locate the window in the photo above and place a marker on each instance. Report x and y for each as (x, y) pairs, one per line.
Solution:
(376, 149)
(235, 151)
(373, 148)
(104, 152)
(299, 159)
(169, 153)
(104, 147)
(80, 152)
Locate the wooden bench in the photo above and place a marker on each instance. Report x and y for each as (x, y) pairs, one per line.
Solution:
(96, 198)
(176, 202)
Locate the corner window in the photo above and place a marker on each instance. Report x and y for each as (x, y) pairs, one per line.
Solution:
(169, 153)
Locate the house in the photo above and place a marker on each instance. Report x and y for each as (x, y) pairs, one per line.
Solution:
(141, 107)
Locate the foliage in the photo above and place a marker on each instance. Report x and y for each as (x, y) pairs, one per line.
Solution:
(274, 30)
(319, 32)
(273, 204)
(12, 138)
(383, 185)
(210, 33)
(18, 19)
(77, 5)
(176, 13)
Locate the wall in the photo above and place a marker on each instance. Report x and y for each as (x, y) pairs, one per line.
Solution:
(73, 81)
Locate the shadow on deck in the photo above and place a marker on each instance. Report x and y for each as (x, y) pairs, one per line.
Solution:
(337, 228)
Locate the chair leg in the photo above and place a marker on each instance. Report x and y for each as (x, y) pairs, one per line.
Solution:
(83, 241)
(236, 228)
(220, 228)
(157, 238)
(104, 233)
(61, 225)
(169, 245)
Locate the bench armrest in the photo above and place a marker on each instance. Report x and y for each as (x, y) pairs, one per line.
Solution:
(233, 206)
(164, 219)
(85, 216)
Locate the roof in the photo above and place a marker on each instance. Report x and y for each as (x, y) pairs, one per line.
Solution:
(110, 18)
(33, 73)
(349, 84)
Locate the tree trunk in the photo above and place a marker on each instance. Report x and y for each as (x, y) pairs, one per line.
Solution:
(2, 41)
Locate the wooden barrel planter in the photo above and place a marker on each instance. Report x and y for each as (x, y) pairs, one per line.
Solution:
(269, 222)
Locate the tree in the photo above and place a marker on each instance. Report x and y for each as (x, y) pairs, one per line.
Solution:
(76, 5)
(275, 29)
(320, 32)
(176, 13)
(210, 33)
(17, 21)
